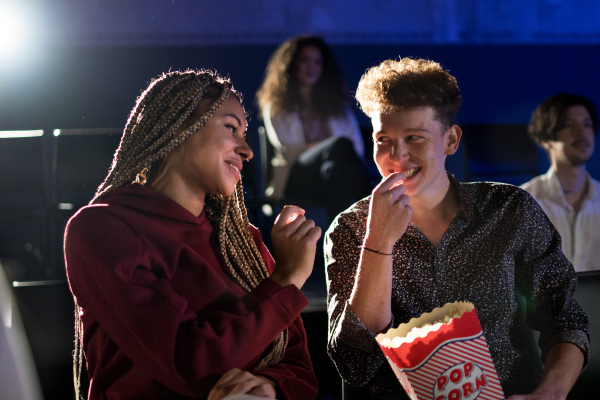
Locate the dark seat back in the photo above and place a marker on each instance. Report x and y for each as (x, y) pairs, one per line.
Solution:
(24, 249)
(587, 295)
(81, 161)
(47, 311)
(500, 153)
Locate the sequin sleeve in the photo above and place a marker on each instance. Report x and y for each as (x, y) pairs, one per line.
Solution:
(351, 346)
(547, 280)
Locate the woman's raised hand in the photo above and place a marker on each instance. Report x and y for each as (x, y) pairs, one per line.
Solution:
(294, 241)
(389, 214)
(236, 381)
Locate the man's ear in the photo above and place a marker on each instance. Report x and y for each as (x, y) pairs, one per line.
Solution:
(546, 145)
(453, 136)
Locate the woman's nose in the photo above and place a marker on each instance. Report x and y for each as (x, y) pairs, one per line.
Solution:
(244, 151)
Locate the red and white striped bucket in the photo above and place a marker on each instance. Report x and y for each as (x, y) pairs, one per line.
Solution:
(451, 363)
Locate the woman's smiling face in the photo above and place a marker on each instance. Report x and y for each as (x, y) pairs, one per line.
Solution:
(309, 65)
(210, 161)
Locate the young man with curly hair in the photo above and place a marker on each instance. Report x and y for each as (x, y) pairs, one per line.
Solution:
(423, 239)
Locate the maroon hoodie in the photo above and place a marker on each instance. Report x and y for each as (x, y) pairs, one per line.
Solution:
(161, 318)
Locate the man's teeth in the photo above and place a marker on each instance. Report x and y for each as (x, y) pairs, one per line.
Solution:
(410, 172)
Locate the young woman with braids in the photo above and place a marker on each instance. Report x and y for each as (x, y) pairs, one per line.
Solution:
(177, 297)
(318, 146)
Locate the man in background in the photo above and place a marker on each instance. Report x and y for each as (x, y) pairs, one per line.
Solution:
(565, 126)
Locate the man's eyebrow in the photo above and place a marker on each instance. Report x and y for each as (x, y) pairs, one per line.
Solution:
(417, 130)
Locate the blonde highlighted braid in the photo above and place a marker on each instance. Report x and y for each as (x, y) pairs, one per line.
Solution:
(152, 131)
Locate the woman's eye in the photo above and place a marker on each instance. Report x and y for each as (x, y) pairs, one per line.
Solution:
(230, 127)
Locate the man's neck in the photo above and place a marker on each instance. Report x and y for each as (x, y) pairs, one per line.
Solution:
(573, 181)
(433, 214)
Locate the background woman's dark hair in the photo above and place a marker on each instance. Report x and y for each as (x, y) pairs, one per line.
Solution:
(280, 87)
(549, 117)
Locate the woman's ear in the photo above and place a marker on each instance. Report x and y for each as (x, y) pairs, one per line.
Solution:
(453, 136)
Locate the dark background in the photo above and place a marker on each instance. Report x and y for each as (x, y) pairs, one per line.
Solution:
(89, 76)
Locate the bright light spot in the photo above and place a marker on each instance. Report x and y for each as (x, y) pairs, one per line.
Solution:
(292, 218)
(17, 30)
(267, 210)
(17, 134)
(56, 132)
(65, 206)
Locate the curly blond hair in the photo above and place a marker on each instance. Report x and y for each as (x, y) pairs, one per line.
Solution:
(396, 85)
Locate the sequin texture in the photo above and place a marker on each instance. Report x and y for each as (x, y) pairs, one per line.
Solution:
(499, 243)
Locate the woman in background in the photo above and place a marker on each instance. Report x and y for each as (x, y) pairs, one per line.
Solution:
(318, 146)
(177, 296)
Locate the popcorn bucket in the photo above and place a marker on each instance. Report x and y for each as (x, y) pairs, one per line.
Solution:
(443, 356)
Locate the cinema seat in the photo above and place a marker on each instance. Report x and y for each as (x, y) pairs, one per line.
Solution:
(81, 161)
(24, 248)
(587, 295)
(500, 153)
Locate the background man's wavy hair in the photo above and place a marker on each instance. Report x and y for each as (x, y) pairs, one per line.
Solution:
(165, 115)
(550, 116)
(409, 83)
(280, 87)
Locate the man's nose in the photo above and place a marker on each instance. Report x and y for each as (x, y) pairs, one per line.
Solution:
(399, 152)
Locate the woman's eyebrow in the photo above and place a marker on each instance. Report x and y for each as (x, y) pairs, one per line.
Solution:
(234, 116)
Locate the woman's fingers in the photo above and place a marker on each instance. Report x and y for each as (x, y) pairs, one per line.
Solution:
(302, 229)
(288, 215)
(236, 381)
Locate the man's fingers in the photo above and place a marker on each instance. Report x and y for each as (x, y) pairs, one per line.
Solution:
(391, 180)
(403, 200)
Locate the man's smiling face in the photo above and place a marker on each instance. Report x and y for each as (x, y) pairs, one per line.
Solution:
(415, 143)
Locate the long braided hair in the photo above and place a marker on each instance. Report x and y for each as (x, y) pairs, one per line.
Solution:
(155, 127)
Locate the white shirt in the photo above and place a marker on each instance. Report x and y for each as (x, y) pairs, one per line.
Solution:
(286, 134)
(580, 232)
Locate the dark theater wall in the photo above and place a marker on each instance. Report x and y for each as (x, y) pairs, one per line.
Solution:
(96, 87)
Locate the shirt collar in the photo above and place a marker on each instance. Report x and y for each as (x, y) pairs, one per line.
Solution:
(552, 184)
(469, 207)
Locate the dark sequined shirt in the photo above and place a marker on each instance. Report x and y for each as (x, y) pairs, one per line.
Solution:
(500, 243)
